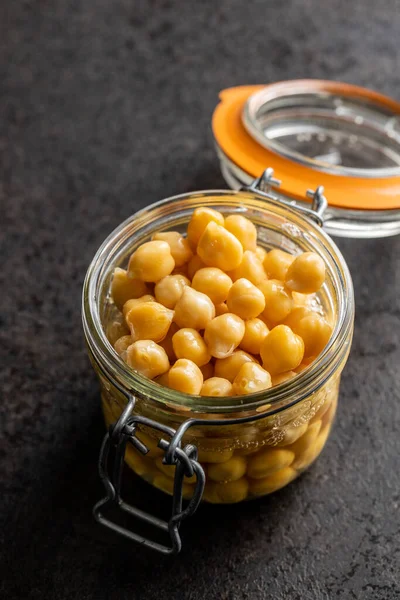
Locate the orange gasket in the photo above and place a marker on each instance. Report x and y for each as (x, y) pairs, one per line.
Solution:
(341, 191)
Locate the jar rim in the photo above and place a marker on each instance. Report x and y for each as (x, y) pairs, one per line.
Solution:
(267, 401)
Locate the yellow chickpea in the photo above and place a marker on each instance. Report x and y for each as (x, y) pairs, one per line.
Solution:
(212, 282)
(254, 334)
(229, 367)
(277, 262)
(231, 470)
(278, 303)
(123, 288)
(188, 343)
(268, 461)
(194, 265)
(306, 274)
(216, 386)
(169, 289)
(116, 329)
(122, 344)
(163, 379)
(193, 309)
(260, 253)
(245, 299)
(250, 379)
(282, 350)
(224, 334)
(185, 376)
(243, 229)
(221, 309)
(219, 248)
(315, 333)
(282, 377)
(166, 343)
(250, 268)
(135, 302)
(207, 370)
(148, 358)
(200, 219)
(149, 321)
(272, 483)
(179, 246)
(183, 270)
(151, 262)
(226, 493)
(295, 316)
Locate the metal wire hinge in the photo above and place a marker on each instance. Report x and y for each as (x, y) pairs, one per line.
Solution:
(186, 464)
(264, 185)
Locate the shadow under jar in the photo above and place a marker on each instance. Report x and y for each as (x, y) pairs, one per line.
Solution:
(248, 446)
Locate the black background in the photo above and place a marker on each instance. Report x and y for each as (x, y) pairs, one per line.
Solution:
(105, 107)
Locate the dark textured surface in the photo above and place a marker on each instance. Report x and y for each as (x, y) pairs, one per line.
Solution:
(104, 108)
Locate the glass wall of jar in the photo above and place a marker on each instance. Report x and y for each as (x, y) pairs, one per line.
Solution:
(288, 425)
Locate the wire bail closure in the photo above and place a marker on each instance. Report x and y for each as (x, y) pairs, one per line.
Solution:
(186, 464)
(264, 185)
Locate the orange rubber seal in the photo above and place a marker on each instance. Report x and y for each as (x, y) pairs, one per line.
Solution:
(343, 191)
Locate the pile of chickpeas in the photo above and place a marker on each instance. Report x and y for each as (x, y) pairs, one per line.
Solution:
(212, 313)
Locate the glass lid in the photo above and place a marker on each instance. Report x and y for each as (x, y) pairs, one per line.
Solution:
(338, 133)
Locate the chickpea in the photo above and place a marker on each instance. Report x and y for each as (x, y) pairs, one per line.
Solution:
(207, 370)
(273, 483)
(200, 219)
(212, 282)
(312, 451)
(282, 377)
(282, 350)
(166, 485)
(217, 247)
(295, 316)
(278, 303)
(183, 270)
(277, 262)
(224, 334)
(245, 299)
(169, 289)
(231, 470)
(250, 379)
(315, 333)
(268, 461)
(151, 262)
(166, 343)
(185, 376)
(149, 321)
(243, 229)
(122, 344)
(148, 358)
(260, 253)
(193, 309)
(135, 302)
(254, 334)
(150, 443)
(188, 343)
(216, 386)
(221, 309)
(304, 442)
(194, 265)
(163, 379)
(123, 288)
(306, 274)
(250, 268)
(292, 433)
(229, 367)
(226, 493)
(179, 246)
(116, 329)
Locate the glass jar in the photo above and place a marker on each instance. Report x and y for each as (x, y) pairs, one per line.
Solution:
(247, 446)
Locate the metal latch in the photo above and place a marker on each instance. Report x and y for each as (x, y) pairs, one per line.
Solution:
(265, 184)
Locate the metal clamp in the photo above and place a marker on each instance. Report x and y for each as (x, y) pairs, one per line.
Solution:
(263, 186)
(186, 464)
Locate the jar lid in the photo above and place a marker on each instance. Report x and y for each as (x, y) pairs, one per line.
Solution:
(312, 133)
